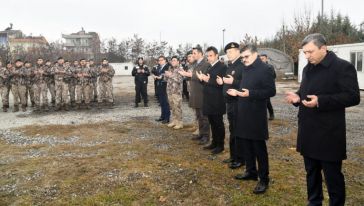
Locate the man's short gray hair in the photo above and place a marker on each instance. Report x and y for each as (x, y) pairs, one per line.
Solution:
(251, 47)
(317, 39)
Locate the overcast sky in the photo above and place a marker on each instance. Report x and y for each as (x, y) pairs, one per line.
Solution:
(178, 21)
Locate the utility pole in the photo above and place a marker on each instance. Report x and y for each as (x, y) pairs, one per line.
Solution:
(284, 38)
(322, 9)
(223, 37)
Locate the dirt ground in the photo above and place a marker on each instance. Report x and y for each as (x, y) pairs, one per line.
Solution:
(121, 156)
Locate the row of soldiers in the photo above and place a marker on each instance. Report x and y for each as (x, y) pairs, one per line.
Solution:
(70, 85)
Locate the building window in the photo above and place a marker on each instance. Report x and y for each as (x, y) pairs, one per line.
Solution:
(356, 58)
(126, 68)
(359, 61)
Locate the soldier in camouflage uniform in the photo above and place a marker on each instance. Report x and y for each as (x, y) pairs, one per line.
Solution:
(18, 85)
(93, 89)
(73, 82)
(62, 75)
(4, 86)
(29, 83)
(83, 84)
(105, 72)
(50, 81)
(40, 89)
(174, 92)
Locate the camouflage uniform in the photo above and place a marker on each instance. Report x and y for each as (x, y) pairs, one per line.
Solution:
(93, 85)
(29, 86)
(40, 86)
(105, 73)
(62, 75)
(83, 85)
(174, 92)
(72, 84)
(4, 87)
(51, 84)
(18, 87)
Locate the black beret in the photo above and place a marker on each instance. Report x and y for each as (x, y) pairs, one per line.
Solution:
(60, 58)
(231, 45)
(18, 60)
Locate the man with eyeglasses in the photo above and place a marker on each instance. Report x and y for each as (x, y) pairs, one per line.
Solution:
(256, 87)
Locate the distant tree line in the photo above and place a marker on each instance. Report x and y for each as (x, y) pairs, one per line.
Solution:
(337, 28)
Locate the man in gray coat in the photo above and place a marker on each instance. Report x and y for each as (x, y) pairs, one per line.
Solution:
(196, 94)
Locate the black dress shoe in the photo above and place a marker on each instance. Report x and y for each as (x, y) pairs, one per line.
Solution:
(226, 161)
(246, 176)
(235, 165)
(217, 150)
(261, 187)
(211, 146)
(203, 141)
(159, 120)
(165, 121)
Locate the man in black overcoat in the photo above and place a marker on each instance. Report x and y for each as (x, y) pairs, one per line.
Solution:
(256, 87)
(329, 85)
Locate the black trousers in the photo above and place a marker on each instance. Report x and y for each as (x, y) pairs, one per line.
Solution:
(270, 107)
(141, 91)
(334, 181)
(217, 129)
(256, 151)
(155, 88)
(185, 92)
(236, 147)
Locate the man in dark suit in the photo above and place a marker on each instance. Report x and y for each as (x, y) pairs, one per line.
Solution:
(329, 85)
(162, 90)
(264, 59)
(256, 87)
(213, 100)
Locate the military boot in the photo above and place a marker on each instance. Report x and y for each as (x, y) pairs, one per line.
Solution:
(58, 107)
(46, 108)
(16, 108)
(36, 108)
(179, 125)
(172, 124)
(99, 105)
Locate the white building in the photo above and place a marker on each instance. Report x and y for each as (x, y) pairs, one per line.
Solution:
(123, 69)
(350, 52)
